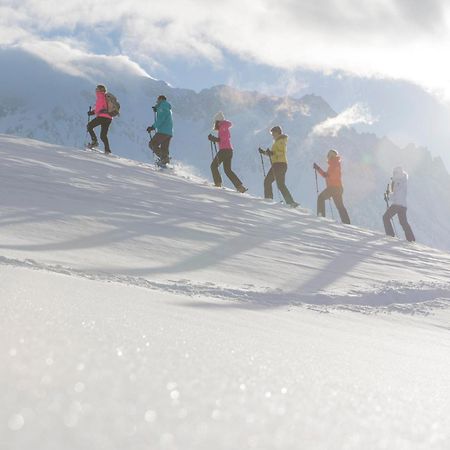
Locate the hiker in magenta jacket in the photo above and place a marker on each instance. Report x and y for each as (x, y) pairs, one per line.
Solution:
(225, 153)
(102, 119)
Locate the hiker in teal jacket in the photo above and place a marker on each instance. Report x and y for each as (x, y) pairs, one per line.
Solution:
(164, 129)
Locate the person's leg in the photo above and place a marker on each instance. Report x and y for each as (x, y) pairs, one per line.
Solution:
(323, 196)
(405, 225)
(215, 169)
(155, 143)
(387, 220)
(270, 178)
(105, 123)
(337, 194)
(165, 149)
(227, 157)
(279, 170)
(90, 127)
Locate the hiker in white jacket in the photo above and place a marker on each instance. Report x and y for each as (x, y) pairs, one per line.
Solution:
(397, 195)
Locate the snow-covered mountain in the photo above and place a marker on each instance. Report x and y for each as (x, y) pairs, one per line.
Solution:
(146, 309)
(50, 102)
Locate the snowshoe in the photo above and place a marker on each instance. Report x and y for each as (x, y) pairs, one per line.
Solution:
(162, 163)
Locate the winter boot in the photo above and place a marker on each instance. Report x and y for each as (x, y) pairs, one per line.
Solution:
(92, 145)
(242, 189)
(294, 204)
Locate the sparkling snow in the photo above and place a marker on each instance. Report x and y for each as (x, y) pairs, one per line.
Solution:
(143, 309)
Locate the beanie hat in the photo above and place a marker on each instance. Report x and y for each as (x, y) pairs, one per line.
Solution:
(219, 116)
(101, 87)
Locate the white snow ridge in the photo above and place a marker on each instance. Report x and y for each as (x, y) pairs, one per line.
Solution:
(144, 309)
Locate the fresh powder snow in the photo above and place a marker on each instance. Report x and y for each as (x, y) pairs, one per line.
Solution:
(145, 309)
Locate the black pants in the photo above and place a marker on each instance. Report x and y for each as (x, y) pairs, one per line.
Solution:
(401, 212)
(104, 122)
(336, 194)
(277, 173)
(225, 157)
(160, 146)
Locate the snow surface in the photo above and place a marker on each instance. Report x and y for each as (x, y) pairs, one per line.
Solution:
(145, 309)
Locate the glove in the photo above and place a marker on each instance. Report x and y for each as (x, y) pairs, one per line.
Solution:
(91, 112)
(150, 129)
(269, 152)
(315, 166)
(262, 151)
(210, 137)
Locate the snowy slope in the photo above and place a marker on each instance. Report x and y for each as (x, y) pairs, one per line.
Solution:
(146, 309)
(42, 101)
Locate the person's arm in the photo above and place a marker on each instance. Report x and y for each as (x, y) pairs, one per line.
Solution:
(320, 170)
(213, 138)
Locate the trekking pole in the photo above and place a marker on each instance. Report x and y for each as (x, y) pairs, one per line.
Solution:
(87, 132)
(215, 150)
(317, 183)
(329, 200)
(151, 137)
(331, 208)
(386, 199)
(212, 150)
(262, 162)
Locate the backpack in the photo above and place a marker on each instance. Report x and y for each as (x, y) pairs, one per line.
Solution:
(113, 105)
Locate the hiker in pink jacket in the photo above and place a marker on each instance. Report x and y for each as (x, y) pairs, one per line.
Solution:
(225, 153)
(102, 119)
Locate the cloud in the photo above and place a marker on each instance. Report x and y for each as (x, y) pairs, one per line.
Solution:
(356, 114)
(78, 62)
(399, 39)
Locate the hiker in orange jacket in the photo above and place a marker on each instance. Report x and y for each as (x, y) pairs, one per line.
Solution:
(334, 187)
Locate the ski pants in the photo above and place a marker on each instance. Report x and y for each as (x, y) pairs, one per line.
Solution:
(401, 212)
(336, 194)
(277, 173)
(224, 157)
(160, 146)
(104, 122)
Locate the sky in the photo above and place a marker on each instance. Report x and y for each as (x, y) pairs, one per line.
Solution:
(387, 56)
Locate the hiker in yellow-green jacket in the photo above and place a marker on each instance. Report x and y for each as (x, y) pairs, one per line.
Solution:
(277, 172)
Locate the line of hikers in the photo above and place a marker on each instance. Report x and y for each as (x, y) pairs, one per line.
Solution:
(107, 106)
